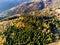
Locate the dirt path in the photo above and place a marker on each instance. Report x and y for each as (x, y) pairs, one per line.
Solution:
(55, 43)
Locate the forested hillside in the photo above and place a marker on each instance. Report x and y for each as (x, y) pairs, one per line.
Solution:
(31, 28)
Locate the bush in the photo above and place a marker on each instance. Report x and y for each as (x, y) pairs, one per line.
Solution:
(41, 33)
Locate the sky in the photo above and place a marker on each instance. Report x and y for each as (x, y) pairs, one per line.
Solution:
(35, 0)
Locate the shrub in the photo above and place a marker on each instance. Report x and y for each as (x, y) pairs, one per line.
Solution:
(41, 33)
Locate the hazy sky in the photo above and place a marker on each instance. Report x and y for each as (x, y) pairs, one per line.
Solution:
(35, 0)
(13, 0)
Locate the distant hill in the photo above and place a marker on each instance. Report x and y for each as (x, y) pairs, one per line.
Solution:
(30, 6)
(24, 8)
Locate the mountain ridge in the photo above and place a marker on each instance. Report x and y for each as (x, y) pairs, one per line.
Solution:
(28, 6)
(23, 8)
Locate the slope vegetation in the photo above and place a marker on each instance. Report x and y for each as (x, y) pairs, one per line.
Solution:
(31, 28)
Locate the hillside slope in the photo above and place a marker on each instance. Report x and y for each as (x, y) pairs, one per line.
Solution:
(23, 8)
(42, 23)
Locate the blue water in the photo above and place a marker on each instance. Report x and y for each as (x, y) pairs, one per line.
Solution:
(7, 4)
